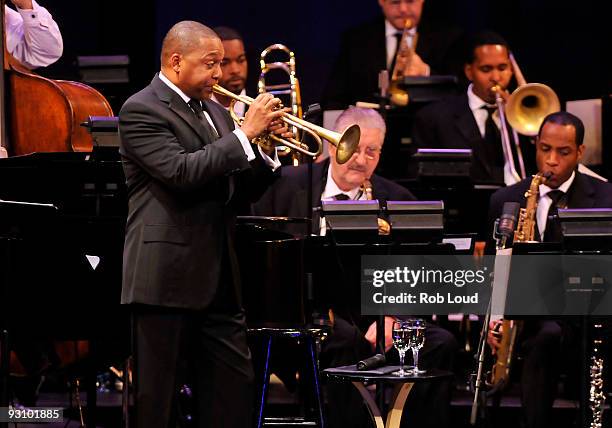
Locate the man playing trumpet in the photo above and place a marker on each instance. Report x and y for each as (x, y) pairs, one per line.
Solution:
(371, 47)
(186, 166)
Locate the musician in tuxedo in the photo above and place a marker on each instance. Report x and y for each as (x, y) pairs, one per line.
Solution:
(470, 120)
(353, 338)
(185, 166)
(367, 49)
(559, 148)
(331, 180)
(234, 68)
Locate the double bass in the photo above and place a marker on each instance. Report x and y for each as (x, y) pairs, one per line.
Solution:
(44, 115)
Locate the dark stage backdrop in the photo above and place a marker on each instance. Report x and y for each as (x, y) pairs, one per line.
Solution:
(565, 44)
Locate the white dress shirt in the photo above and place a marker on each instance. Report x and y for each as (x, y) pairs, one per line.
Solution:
(476, 105)
(32, 36)
(544, 202)
(331, 191)
(244, 141)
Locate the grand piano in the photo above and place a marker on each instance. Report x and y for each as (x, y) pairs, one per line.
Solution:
(61, 267)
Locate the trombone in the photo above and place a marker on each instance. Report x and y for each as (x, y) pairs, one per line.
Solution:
(346, 142)
(525, 111)
(290, 89)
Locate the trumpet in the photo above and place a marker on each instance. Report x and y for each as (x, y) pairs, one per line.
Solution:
(403, 58)
(346, 142)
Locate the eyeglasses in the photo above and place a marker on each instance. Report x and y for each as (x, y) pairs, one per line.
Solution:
(370, 153)
(398, 2)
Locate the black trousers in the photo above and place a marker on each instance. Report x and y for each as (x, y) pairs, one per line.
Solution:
(212, 346)
(541, 350)
(428, 404)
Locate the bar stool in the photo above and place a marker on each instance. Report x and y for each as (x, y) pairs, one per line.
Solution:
(309, 337)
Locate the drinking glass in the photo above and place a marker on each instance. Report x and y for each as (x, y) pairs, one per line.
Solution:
(416, 340)
(400, 342)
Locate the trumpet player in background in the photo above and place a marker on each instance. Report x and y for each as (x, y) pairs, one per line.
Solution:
(559, 148)
(471, 120)
(371, 47)
(353, 337)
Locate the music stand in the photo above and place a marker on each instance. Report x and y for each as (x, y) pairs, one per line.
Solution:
(416, 221)
(444, 163)
(19, 220)
(104, 130)
(396, 160)
(586, 229)
(351, 221)
(426, 89)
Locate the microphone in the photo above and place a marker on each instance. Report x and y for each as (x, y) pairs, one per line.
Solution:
(505, 225)
(376, 361)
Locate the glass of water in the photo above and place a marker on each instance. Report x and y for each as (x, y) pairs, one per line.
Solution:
(416, 340)
(401, 343)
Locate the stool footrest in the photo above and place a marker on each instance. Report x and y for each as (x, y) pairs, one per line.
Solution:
(289, 422)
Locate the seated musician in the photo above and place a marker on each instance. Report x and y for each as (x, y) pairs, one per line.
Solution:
(367, 49)
(470, 120)
(559, 148)
(234, 68)
(352, 339)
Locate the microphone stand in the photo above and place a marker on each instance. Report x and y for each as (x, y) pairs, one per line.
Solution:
(383, 102)
(480, 395)
(313, 110)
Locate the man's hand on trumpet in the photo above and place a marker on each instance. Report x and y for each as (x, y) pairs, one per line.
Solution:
(278, 128)
(260, 115)
(416, 66)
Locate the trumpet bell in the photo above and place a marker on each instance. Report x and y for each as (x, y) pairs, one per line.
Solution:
(347, 144)
(528, 105)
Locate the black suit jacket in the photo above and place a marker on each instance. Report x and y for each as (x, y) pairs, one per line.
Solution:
(182, 189)
(450, 124)
(585, 192)
(289, 194)
(363, 55)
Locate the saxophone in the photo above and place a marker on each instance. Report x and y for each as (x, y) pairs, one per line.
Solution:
(384, 228)
(525, 231)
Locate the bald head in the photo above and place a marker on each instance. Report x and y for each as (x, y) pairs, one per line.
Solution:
(184, 37)
(191, 58)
